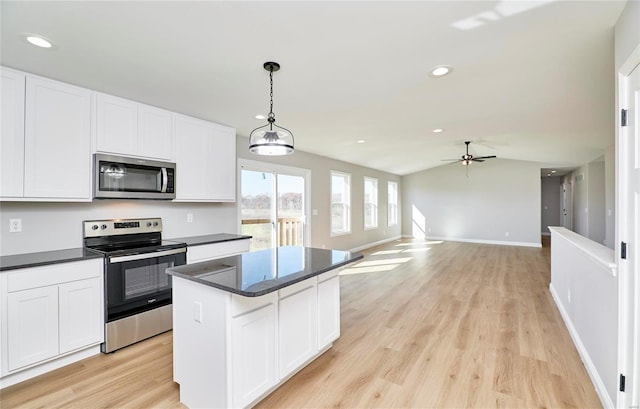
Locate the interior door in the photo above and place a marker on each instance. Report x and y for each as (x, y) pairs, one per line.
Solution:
(567, 205)
(273, 205)
(629, 233)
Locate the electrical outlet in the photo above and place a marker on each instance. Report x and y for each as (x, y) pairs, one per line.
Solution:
(15, 225)
(506, 234)
(569, 296)
(189, 217)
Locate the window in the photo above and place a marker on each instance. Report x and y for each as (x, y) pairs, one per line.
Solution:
(370, 203)
(340, 203)
(392, 189)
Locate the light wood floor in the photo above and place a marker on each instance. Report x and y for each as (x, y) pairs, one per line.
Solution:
(423, 325)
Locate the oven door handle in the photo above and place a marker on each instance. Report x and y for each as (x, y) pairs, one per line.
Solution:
(122, 259)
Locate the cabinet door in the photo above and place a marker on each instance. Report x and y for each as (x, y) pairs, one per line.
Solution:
(223, 168)
(81, 317)
(328, 311)
(205, 158)
(57, 141)
(155, 133)
(32, 326)
(116, 125)
(253, 351)
(298, 328)
(12, 133)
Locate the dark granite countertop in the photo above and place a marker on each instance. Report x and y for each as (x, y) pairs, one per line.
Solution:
(209, 239)
(261, 272)
(44, 258)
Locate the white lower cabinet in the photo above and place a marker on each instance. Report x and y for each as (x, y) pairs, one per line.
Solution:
(48, 312)
(32, 326)
(253, 355)
(78, 309)
(328, 309)
(297, 327)
(231, 351)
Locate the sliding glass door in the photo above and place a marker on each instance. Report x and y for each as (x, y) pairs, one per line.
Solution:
(273, 205)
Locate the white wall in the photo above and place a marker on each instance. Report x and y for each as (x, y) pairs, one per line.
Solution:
(500, 196)
(54, 226)
(582, 272)
(551, 203)
(592, 195)
(596, 194)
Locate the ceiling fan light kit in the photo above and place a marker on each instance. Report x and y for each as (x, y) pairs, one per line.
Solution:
(468, 159)
(271, 139)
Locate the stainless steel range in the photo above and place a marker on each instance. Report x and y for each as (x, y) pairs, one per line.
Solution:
(137, 289)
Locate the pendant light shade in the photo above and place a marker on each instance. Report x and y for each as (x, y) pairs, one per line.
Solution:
(271, 139)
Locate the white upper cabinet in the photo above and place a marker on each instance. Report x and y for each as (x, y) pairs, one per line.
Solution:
(155, 133)
(45, 140)
(12, 127)
(128, 128)
(57, 141)
(116, 125)
(205, 160)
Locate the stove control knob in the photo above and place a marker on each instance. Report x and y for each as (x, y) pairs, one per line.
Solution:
(94, 227)
(104, 226)
(155, 224)
(148, 224)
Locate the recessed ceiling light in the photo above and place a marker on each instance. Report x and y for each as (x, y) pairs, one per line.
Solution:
(438, 130)
(260, 116)
(39, 41)
(553, 171)
(361, 141)
(441, 70)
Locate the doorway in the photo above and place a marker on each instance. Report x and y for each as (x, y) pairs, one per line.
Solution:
(274, 204)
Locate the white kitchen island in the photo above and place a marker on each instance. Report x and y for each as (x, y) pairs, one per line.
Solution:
(245, 324)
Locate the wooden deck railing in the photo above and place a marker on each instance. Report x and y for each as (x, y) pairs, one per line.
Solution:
(290, 230)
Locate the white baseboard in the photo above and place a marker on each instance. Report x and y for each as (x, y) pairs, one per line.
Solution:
(377, 243)
(601, 390)
(496, 242)
(34, 371)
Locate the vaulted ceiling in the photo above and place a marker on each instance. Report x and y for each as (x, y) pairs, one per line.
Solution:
(531, 80)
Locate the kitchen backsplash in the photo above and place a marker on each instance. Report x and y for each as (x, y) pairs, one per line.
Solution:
(55, 226)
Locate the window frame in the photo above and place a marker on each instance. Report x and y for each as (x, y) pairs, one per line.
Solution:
(347, 206)
(375, 202)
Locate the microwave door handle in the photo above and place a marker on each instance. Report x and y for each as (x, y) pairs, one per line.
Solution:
(165, 180)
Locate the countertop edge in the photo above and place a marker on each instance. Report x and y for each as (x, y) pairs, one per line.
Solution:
(251, 294)
(209, 239)
(47, 262)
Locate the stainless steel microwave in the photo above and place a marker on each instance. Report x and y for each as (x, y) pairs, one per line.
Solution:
(118, 177)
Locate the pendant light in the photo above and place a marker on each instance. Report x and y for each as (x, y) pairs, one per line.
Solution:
(271, 139)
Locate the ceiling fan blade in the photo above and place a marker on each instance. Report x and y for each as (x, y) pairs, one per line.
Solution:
(477, 160)
(485, 157)
(450, 160)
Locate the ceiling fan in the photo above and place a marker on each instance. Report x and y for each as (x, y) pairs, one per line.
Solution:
(468, 159)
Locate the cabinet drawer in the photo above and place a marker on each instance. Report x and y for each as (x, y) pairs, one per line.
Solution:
(297, 287)
(34, 277)
(212, 251)
(241, 305)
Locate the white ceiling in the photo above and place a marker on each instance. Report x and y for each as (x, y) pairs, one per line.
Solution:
(531, 81)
